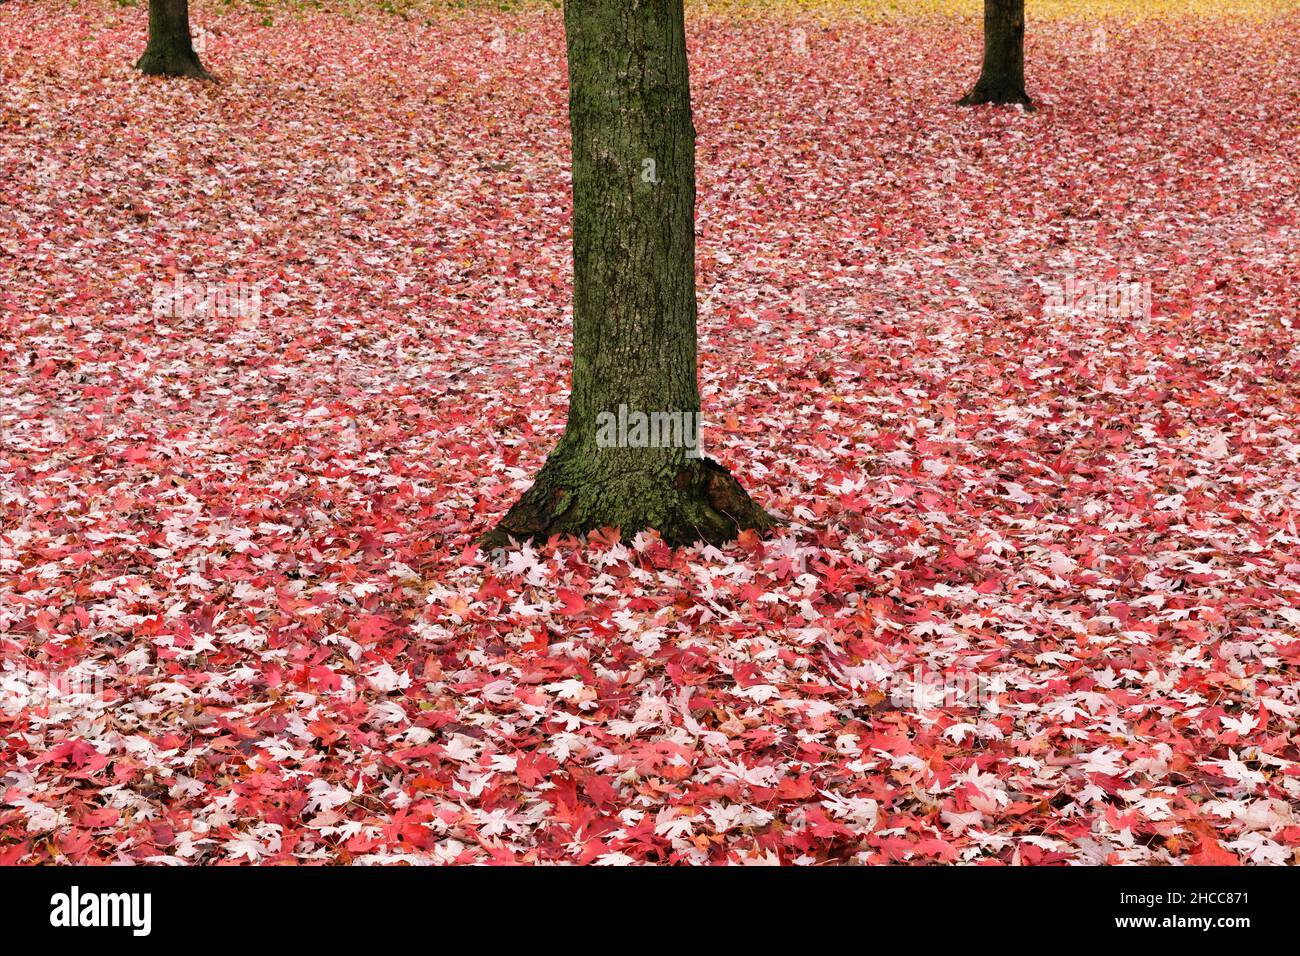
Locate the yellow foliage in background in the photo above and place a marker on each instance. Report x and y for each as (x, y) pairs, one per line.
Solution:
(1034, 9)
(819, 9)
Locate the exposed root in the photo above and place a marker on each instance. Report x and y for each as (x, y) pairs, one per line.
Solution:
(999, 95)
(156, 62)
(700, 502)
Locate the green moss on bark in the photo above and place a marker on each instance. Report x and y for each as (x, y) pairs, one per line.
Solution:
(634, 308)
(170, 51)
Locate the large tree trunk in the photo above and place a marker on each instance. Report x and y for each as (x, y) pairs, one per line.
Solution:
(170, 51)
(1002, 78)
(634, 291)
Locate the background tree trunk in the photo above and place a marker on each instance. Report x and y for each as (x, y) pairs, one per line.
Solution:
(1002, 78)
(634, 310)
(170, 52)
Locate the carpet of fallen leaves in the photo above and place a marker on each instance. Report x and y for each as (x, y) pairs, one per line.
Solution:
(1038, 598)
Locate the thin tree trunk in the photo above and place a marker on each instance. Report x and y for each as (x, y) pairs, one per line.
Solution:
(634, 310)
(1002, 78)
(170, 52)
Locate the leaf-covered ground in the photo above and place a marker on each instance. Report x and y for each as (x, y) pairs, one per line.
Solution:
(239, 617)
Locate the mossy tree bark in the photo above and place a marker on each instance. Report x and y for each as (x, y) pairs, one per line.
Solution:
(1002, 77)
(634, 309)
(170, 51)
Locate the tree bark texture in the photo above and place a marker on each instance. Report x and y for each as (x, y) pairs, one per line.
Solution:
(634, 307)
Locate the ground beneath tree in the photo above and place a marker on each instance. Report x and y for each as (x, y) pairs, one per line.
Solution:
(1038, 600)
